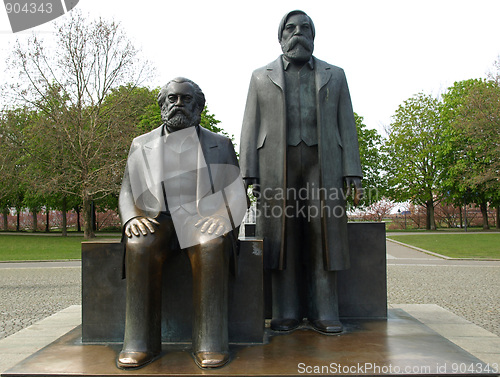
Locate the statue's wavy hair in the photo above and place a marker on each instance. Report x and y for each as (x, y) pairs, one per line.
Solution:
(198, 94)
(285, 19)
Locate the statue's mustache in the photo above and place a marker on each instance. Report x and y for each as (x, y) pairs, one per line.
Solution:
(304, 42)
(177, 110)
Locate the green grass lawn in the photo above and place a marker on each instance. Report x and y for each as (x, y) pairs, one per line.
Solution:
(20, 247)
(455, 245)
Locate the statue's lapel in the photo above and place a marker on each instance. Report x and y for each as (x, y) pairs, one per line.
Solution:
(323, 73)
(207, 161)
(153, 155)
(209, 145)
(152, 152)
(276, 73)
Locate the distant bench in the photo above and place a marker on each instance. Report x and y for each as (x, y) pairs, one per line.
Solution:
(362, 289)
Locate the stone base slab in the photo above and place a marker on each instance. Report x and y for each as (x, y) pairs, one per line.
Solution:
(400, 345)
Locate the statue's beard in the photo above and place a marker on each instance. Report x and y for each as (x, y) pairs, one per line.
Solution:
(298, 49)
(178, 119)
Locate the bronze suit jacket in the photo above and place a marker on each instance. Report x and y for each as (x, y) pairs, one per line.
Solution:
(220, 168)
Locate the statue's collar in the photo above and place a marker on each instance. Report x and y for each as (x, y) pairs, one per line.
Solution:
(165, 132)
(287, 63)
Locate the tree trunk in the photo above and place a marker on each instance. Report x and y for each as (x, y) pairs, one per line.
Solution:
(94, 217)
(5, 219)
(64, 217)
(88, 228)
(465, 217)
(460, 216)
(484, 212)
(47, 220)
(430, 223)
(35, 219)
(78, 226)
(18, 222)
(498, 217)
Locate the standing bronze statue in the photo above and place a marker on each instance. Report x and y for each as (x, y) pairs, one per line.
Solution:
(299, 147)
(181, 192)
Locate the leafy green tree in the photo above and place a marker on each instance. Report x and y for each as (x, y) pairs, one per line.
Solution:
(7, 169)
(415, 137)
(471, 113)
(32, 201)
(372, 162)
(12, 187)
(209, 122)
(133, 109)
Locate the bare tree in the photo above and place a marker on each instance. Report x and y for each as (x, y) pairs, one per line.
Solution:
(77, 149)
(448, 214)
(378, 211)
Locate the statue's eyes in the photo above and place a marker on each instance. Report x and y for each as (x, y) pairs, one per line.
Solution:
(174, 98)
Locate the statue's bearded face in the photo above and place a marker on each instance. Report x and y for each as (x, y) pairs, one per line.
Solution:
(180, 109)
(297, 41)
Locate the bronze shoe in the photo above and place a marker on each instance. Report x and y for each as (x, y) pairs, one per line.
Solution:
(134, 359)
(328, 326)
(210, 359)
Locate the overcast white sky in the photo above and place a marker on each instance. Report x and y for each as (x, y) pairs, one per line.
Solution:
(390, 50)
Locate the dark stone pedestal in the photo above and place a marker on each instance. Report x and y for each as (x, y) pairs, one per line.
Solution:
(400, 345)
(362, 289)
(103, 295)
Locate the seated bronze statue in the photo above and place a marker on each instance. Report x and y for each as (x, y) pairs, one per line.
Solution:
(181, 193)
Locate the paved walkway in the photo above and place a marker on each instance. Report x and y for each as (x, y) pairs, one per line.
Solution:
(458, 299)
(468, 288)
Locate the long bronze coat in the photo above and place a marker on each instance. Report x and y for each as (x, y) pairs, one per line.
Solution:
(263, 156)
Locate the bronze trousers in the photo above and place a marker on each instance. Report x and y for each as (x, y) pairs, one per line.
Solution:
(145, 256)
(304, 288)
